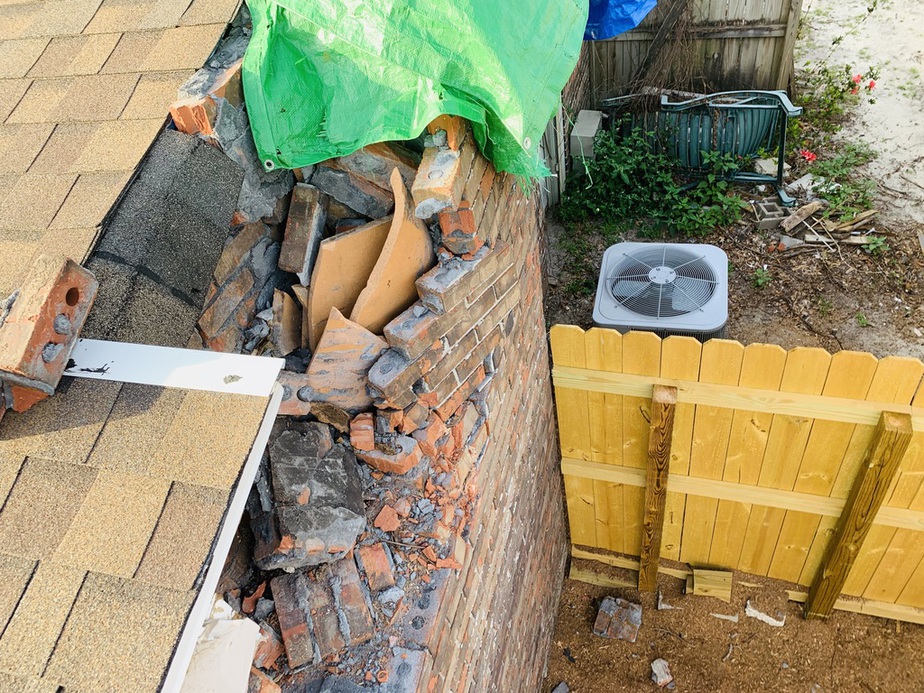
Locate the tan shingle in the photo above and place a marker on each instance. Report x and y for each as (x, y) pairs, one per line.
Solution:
(20, 144)
(16, 57)
(11, 93)
(183, 47)
(118, 145)
(34, 200)
(96, 98)
(209, 439)
(10, 464)
(154, 94)
(27, 527)
(15, 257)
(164, 15)
(209, 11)
(63, 427)
(184, 535)
(27, 684)
(119, 15)
(63, 148)
(119, 636)
(113, 526)
(16, 19)
(62, 17)
(139, 420)
(90, 198)
(15, 573)
(37, 622)
(40, 103)
(74, 55)
(131, 52)
(72, 243)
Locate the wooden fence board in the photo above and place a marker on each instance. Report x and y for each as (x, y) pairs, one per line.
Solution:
(680, 359)
(568, 348)
(762, 368)
(721, 364)
(608, 529)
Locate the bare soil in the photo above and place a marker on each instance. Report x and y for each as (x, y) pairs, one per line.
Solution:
(837, 298)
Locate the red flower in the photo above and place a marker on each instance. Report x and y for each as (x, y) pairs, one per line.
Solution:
(857, 79)
(808, 155)
(871, 85)
(855, 90)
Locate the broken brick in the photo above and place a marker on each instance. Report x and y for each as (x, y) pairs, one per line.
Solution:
(387, 520)
(269, 649)
(378, 568)
(304, 231)
(291, 384)
(406, 456)
(362, 432)
(337, 373)
(286, 328)
(415, 416)
(445, 410)
(618, 618)
(195, 113)
(459, 234)
(452, 283)
(429, 437)
(248, 604)
(41, 324)
(325, 619)
(455, 128)
(407, 254)
(261, 683)
(354, 620)
(290, 593)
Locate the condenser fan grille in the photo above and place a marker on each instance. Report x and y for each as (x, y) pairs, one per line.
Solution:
(662, 282)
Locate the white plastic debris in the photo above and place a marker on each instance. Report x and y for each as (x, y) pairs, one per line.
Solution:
(761, 616)
(727, 617)
(223, 654)
(663, 605)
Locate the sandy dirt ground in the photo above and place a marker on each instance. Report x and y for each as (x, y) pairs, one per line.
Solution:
(813, 301)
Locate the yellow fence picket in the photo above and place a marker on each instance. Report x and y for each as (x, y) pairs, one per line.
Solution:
(762, 367)
(641, 355)
(680, 359)
(603, 351)
(721, 364)
(568, 349)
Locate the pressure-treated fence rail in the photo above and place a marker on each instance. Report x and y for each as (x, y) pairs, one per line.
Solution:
(797, 465)
(712, 45)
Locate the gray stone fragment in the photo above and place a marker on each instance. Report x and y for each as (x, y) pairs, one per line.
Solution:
(319, 508)
(339, 185)
(661, 673)
(561, 688)
(263, 609)
(337, 684)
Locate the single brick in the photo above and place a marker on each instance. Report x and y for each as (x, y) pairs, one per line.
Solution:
(325, 621)
(290, 594)
(415, 330)
(441, 179)
(406, 456)
(415, 416)
(354, 618)
(304, 231)
(377, 565)
(362, 432)
(42, 324)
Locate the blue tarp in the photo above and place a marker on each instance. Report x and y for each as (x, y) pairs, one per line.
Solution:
(609, 18)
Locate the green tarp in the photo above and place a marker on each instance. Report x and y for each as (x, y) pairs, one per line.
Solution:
(323, 78)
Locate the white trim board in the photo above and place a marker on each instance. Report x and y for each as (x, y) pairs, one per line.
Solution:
(201, 607)
(187, 369)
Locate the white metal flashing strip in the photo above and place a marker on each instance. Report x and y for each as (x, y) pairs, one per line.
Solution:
(188, 369)
(201, 607)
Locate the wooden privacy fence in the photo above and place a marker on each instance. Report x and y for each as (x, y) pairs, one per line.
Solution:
(796, 465)
(701, 45)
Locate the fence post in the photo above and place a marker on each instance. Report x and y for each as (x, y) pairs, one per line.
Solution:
(890, 441)
(660, 434)
(784, 69)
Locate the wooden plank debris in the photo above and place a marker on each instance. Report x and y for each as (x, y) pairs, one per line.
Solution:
(890, 441)
(800, 215)
(661, 431)
(711, 583)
